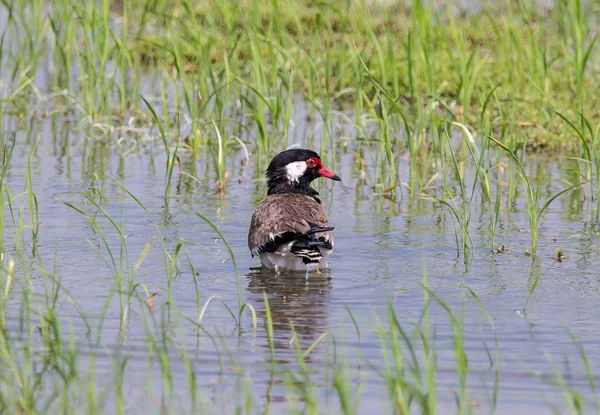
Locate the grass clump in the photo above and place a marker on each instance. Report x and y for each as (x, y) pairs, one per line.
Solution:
(539, 59)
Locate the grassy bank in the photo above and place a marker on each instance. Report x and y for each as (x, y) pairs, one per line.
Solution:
(508, 65)
(536, 61)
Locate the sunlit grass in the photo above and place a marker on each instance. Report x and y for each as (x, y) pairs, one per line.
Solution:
(264, 54)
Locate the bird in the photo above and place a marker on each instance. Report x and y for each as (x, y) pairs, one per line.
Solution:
(289, 229)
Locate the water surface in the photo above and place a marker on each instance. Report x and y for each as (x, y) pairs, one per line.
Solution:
(383, 249)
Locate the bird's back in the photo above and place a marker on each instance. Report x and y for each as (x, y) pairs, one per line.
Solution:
(293, 226)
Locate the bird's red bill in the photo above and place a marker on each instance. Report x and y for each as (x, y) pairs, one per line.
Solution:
(329, 174)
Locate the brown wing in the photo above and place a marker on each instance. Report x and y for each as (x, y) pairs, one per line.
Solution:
(286, 215)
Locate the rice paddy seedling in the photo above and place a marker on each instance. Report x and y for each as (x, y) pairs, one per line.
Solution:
(241, 304)
(34, 211)
(495, 358)
(163, 128)
(394, 374)
(457, 324)
(117, 263)
(301, 382)
(535, 280)
(590, 174)
(588, 372)
(532, 195)
(559, 255)
(572, 398)
(429, 351)
(7, 150)
(62, 23)
(461, 210)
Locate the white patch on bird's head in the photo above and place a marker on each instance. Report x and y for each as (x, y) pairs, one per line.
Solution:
(295, 170)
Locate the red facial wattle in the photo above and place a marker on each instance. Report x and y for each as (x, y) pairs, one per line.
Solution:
(314, 162)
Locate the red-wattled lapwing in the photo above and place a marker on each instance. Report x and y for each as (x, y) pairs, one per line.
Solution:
(289, 229)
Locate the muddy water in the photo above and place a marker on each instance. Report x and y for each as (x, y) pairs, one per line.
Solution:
(383, 248)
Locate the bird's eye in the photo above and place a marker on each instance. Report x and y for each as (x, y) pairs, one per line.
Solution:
(311, 162)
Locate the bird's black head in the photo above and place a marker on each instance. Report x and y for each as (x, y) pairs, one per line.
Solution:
(292, 171)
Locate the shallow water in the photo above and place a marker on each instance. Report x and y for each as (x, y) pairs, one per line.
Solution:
(383, 248)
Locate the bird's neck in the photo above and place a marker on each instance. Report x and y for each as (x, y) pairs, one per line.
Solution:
(285, 186)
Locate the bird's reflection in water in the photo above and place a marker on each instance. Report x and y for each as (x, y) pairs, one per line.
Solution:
(292, 298)
(296, 299)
